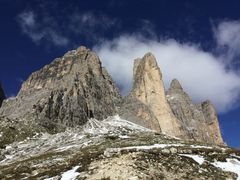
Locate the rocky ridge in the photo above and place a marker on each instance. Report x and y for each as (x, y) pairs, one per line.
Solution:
(74, 88)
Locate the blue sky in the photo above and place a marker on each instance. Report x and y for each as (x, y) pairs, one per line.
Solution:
(196, 41)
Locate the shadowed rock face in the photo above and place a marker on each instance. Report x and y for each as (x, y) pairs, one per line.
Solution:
(66, 92)
(137, 112)
(198, 121)
(2, 95)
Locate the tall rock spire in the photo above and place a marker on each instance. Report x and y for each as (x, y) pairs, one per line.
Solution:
(148, 87)
(175, 112)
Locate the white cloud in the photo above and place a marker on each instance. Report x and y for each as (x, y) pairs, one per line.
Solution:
(92, 25)
(38, 30)
(201, 74)
(227, 34)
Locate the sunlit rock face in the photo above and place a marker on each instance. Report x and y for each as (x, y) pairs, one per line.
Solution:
(148, 88)
(66, 92)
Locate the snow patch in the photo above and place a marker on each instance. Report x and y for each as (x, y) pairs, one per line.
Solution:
(7, 157)
(144, 147)
(232, 165)
(71, 174)
(8, 147)
(64, 148)
(199, 159)
(124, 136)
(197, 146)
(113, 124)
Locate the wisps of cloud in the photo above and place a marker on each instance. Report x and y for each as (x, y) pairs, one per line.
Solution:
(40, 30)
(202, 74)
(41, 26)
(91, 24)
(227, 34)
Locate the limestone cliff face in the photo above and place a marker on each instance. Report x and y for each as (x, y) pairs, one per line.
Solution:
(148, 88)
(210, 116)
(174, 112)
(198, 121)
(66, 92)
(2, 95)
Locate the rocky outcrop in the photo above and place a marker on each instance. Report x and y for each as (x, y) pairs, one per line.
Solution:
(172, 113)
(66, 92)
(148, 88)
(2, 95)
(198, 121)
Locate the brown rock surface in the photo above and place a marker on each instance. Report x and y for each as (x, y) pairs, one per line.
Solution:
(172, 113)
(148, 88)
(66, 92)
(198, 121)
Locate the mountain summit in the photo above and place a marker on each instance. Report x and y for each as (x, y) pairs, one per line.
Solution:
(66, 93)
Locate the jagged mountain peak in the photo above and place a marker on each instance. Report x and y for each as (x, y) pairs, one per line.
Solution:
(175, 84)
(74, 63)
(150, 59)
(146, 63)
(67, 92)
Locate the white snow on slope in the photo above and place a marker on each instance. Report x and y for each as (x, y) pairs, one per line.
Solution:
(70, 139)
(204, 147)
(155, 146)
(71, 174)
(151, 146)
(113, 124)
(232, 165)
(199, 159)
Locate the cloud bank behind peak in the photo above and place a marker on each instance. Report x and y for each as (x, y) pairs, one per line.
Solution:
(202, 74)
